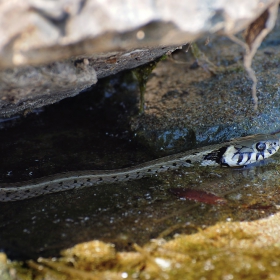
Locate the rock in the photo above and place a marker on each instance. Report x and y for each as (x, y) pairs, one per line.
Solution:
(205, 108)
(37, 31)
(51, 50)
(30, 87)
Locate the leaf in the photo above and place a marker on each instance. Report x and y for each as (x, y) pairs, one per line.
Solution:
(198, 196)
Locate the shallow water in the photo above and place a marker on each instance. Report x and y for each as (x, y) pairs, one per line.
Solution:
(91, 131)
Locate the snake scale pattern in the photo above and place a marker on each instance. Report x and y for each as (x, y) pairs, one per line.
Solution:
(238, 152)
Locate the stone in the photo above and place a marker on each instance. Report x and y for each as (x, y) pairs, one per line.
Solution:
(50, 50)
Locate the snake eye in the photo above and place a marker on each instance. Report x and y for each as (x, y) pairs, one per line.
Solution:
(260, 146)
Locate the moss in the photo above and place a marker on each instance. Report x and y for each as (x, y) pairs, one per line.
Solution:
(142, 74)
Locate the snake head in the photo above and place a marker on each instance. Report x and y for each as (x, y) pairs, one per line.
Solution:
(250, 150)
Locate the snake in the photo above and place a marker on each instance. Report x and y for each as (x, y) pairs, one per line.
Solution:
(238, 152)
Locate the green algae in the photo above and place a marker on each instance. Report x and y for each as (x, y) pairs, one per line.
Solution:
(142, 74)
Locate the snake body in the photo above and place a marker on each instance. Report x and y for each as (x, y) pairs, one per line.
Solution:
(238, 152)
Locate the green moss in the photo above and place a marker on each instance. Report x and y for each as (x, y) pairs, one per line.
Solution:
(142, 74)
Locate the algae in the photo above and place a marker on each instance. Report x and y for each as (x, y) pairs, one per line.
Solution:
(142, 74)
